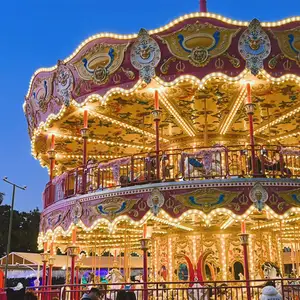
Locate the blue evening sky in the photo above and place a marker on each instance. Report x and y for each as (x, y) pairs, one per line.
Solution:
(37, 33)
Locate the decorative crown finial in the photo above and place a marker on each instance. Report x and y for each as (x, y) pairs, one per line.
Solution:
(203, 7)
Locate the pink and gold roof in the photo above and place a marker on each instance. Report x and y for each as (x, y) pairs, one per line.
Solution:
(198, 63)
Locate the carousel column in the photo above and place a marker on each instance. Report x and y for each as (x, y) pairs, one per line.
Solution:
(84, 134)
(156, 117)
(244, 240)
(52, 155)
(73, 251)
(144, 247)
(126, 254)
(50, 264)
(78, 266)
(45, 258)
(249, 107)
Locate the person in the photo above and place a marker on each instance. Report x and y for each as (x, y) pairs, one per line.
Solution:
(91, 278)
(36, 284)
(16, 293)
(270, 293)
(93, 294)
(30, 296)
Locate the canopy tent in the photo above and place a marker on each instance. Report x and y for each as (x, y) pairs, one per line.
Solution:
(23, 259)
(28, 265)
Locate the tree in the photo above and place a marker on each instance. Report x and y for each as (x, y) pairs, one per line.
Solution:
(25, 230)
(1, 197)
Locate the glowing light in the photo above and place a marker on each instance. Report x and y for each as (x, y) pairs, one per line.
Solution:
(278, 120)
(251, 255)
(124, 125)
(170, 259)
(237, 104)
(188, 129)
(227, 223)
(286, 136)
(194, 249)
(224, 257)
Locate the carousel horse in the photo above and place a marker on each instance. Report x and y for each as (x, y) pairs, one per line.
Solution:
(272, 272)
(209, 165)
(65, 293)
(114, 276)
(119, 291)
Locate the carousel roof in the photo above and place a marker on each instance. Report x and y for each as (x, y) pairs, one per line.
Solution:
(198, 63)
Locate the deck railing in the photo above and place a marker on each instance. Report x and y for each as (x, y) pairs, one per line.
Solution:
(174, 165)
(217, 290)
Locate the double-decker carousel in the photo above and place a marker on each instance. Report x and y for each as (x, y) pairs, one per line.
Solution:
(178, 144)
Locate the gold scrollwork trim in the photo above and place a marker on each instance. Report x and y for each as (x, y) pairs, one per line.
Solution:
(156, 31)
(164, 68)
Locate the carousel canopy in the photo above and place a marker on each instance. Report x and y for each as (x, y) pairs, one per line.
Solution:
(200, 65)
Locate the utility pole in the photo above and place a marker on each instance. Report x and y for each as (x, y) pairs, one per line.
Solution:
(10, 221)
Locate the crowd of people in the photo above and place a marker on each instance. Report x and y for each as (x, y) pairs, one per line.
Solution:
(19, 293)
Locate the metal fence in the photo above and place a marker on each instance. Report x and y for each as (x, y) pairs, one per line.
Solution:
(176, 164)
(214, 290)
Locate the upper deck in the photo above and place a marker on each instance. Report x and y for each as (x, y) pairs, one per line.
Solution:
(202, 98)
(205, 163)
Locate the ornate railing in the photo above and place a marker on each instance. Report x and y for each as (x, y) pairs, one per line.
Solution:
(221, 290)
(175, 165)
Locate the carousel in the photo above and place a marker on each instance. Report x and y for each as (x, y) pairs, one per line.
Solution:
(179, 145)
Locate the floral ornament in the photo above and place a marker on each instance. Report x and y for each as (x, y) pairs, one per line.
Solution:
(42, 93)
(289, 43)
(76, 213)
(145, 55)
(254, 46)
(54, 219)
(31, 120)
(207, 199)
(258, 195)
(291, 197)
(198, 43)
(155, 201)
(112, 207)
(64, 83)
(100, 61)
(43, 224)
